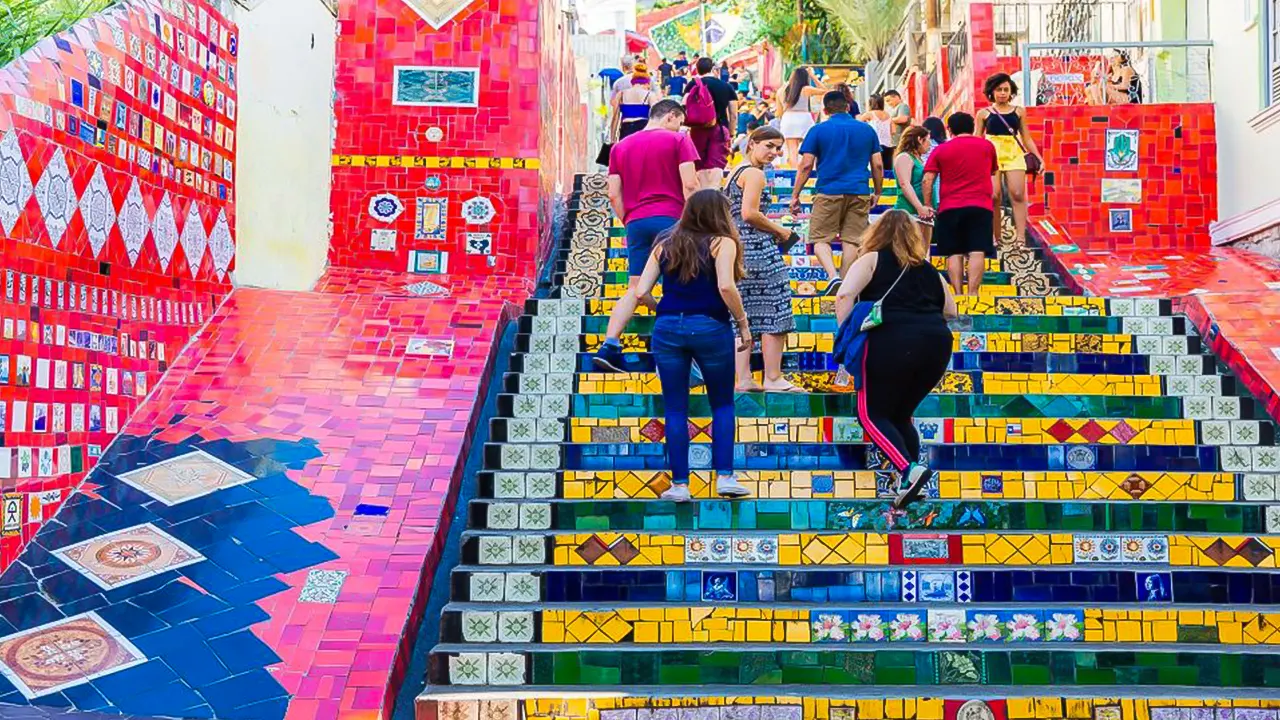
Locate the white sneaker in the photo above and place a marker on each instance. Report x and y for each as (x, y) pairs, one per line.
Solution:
(677, 493)
(728, 486)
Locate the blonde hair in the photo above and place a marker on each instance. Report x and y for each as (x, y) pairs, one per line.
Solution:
(896, 230)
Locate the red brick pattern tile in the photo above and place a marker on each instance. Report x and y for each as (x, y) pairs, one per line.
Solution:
(122, 134)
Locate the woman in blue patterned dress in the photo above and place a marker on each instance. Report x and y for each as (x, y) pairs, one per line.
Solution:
(766, 289)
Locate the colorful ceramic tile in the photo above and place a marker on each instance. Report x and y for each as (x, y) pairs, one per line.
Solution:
(185, 477)
(65, 653)
(1122, 150)
(436, 86)
(125, 556)
(431, 218)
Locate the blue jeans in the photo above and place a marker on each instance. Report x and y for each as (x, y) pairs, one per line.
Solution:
(678, 340)
(641, 235)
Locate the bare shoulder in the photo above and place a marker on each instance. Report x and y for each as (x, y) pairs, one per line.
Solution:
(722, 244)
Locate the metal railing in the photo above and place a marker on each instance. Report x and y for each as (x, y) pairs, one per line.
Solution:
(957, 53)
(1018, 22)
(1169, 71)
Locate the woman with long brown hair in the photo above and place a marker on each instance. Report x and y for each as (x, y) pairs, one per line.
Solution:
(700, 264)
(907, 355)
(796, 115)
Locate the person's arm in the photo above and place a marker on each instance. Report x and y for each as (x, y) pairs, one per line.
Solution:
(903, 166)
(877, 178)
(733, 117)
(949, 309)
(753, 182)
(725, 251)
(615, 119)
(929, 179)
(689, 179)
(615, 195)
(807, 163)
(901, 118)
(649, 276)
(854, 283)
(981, 122)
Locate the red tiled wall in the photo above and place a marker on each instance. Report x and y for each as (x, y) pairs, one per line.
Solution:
(88, 321)
(518, 98)
(1177, 164)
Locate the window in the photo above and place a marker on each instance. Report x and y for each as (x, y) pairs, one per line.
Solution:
(1271, 9)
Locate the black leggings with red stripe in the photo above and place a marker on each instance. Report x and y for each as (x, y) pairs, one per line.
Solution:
(904, 362)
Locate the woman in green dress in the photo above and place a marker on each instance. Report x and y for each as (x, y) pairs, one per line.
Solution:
(908, 171)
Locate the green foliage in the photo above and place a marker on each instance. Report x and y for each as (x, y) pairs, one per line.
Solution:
(820, 40)
(23, 23)
(869, 25)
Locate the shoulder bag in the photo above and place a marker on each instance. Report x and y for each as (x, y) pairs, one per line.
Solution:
(1033, 161)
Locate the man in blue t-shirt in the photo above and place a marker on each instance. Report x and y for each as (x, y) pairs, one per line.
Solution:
(846, 153)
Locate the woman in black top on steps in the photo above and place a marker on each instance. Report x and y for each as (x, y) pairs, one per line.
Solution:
(907, 355)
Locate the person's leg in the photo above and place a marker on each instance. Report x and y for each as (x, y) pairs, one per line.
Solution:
(930, 353)
(824, 225)
(977, 268)
(955, 273)
(712, 345)
(853, 225)
(640, 236)
(746, 381)
(877, 398)
(998, 204)
(673, 359)
(793, 155)
(1017, 184)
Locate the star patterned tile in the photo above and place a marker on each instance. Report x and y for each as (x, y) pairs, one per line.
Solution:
(127, 556)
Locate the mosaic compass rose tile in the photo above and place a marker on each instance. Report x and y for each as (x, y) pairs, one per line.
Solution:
(129, 555)
(62, 654)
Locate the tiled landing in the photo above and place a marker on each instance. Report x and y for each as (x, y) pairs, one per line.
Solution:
(1099, 546)
(254, 545)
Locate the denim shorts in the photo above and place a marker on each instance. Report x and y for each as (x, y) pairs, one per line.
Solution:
(640, 237)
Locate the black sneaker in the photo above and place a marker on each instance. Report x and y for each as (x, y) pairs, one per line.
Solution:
(916, 480)
(609, 358)
(832, 288)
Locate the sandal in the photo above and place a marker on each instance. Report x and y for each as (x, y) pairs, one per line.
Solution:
(789, 388)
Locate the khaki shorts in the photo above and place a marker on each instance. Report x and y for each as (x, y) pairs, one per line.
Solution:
(842, 215)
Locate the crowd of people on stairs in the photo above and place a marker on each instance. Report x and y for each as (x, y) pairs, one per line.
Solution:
(706, 234)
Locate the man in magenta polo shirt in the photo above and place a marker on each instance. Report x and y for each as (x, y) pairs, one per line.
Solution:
(650, 175)
(967, 167)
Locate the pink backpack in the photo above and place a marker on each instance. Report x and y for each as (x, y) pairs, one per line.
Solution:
(699, 106)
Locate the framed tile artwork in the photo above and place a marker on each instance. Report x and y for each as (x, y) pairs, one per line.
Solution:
(427, 86)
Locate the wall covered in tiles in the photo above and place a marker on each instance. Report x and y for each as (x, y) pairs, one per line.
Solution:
(116, 222)
(562, 139)
(443, 108)
(1129, 176)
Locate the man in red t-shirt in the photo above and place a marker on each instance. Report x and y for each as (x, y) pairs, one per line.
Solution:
(967, 167)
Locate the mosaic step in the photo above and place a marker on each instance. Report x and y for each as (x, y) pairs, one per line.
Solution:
(691, 665)
(796, 626)
(837, 412)
(1024, 362)
(605, 588)
(785, 455)
(871, 484)
(825, 515)
(933, 430)
(1104, 523)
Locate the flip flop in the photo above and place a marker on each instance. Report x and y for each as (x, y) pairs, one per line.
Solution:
(790, 388)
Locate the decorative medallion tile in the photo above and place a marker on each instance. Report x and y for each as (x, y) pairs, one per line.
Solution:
(323, 586)
(15, 182)
(97, 210)
(65, 653)
(129, 555)
(185, 477)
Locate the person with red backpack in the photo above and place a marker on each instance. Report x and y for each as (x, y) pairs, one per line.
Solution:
(711, 113)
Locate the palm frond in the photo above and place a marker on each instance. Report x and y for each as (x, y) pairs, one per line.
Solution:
(869, 25)
(23, 23)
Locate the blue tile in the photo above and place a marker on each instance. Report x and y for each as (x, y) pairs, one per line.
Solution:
(243, 651)
(242, 690)
(119, 686)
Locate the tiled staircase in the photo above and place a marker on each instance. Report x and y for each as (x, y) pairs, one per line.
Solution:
(1097, 545)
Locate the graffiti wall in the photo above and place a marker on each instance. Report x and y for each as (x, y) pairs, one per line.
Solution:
(732, 26)
(117, 140)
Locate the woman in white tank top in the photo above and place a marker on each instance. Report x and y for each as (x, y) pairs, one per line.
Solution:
(878, 118)
(796, 117)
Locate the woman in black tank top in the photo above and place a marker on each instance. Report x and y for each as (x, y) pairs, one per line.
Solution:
(907, 355)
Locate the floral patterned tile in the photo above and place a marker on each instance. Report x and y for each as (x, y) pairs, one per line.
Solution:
(65, 653)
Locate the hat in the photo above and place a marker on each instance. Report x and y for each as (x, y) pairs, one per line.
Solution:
(640, 73)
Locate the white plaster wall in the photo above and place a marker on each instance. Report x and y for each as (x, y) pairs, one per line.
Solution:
(285, 140)
(1248, 174)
